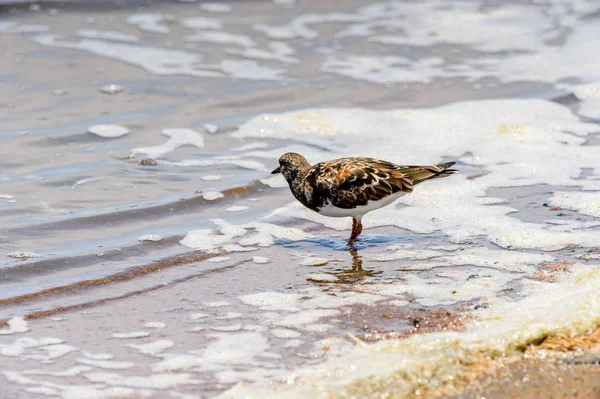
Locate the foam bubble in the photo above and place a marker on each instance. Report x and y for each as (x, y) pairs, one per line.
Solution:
(154, 381)
(260, 260)
(131, 335)
(216, 304)
(250, 70)
(219, 37)
(107, 35)
(216, 7)
(150, 237)
(21, 345)
(105, 364)
(211, 128)
(15, 325)
(264, 234)
(155, 324)
(23, 255)
(231, 327)
(586, 203)
(314, 261)
(284, 333)
(154, 348)
(237, 208)
(149, 22)
(322, 277)
(278, 51)
(276, 181)
(201, 23)
(212, 195)
(211, 177)
(178, 137)
(158, 61)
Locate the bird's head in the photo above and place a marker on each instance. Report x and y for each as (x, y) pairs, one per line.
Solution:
(291, 165)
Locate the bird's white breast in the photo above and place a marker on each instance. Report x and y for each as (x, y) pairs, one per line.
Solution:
(359, 211)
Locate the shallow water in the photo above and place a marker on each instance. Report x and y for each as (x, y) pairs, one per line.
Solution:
(242, 284)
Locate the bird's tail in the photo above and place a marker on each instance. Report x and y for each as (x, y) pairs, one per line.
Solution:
(419, 174)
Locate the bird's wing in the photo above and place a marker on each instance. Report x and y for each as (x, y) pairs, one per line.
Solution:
(351, 182)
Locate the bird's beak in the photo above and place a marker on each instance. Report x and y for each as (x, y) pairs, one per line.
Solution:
(277, 170)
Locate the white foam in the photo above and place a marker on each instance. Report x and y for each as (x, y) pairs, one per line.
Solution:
(13, 27)
(230, 315)
(177, 362)
(196, 316)
(154, 381)
(518, 142)
(386, 69)
(149, 22)
(299, 27)
(219, 259)
(272, 301)
(155, 324)
(158, 61)
(276, 181)
(285, 333)
(230, 349)
(6, 196)
(97, 356)
(263, 234)
(107, 35)
(154, 348)
(243, 163)
(178, 137)
(150, 237)
(278, 51)
(222, 38)
(260, 260)
(237, 208)
(216, 304)
(131, 335)
(590, 108)
(251, 146)
(305, 318)
(106, 364)
(71, 372)
(111, 89)
(51, 352)
(567, 308)
(216, 7)
(15, 325)
(314, 261)
(23, 255)
(322, 277)
(250, 70)
(586, 203)
(211, 177)
(212, 195)
(231, 327)
(211, 128)
(201, 23)
(21, 345)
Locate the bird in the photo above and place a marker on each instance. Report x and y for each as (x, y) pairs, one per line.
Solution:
(353, 186)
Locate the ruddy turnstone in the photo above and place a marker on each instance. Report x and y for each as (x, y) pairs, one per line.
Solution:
(353, 186)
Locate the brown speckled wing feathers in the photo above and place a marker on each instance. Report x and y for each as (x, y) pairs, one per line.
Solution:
(351, 182)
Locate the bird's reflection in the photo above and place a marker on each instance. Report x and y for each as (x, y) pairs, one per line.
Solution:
(356, 273)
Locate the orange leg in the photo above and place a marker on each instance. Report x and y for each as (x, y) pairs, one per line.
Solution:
(356, 230)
